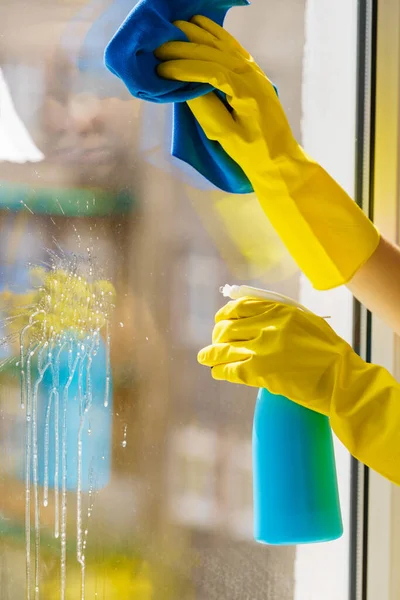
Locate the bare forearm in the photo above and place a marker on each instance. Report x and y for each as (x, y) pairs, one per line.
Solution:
(377, 284)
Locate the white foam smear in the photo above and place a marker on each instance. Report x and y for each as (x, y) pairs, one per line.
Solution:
(47, 349)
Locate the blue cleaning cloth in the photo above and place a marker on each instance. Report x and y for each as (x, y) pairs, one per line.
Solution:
(130, 56)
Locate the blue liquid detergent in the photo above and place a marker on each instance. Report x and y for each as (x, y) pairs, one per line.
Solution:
(296, 498)
(85, 434)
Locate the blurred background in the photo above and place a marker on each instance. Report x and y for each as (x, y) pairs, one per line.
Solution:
(84, 165)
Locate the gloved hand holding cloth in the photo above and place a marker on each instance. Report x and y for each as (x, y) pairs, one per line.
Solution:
(325, 231)
(130, 56)
(298, 355)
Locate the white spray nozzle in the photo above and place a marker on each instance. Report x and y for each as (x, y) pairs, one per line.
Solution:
(234, 292)
(230, 291)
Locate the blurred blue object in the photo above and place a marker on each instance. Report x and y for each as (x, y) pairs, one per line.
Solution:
(130, 56)
(87, 54)
(96, 424)
(17, 238)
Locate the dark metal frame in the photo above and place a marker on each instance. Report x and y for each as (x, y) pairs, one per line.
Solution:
(366, 96)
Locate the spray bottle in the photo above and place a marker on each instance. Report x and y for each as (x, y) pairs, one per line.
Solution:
(296, 499)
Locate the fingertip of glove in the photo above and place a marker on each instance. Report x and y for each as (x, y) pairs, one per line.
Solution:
(159, 52)
(159, 69)
(201, 20)
(179, 23)
(164, 69)
(216, 374)
(196, 18)
(201, 357)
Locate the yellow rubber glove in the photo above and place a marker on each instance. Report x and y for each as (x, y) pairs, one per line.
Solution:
(298, 355)
(327, 234)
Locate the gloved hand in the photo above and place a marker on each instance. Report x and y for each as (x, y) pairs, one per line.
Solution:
(298, 355)
(329, 237)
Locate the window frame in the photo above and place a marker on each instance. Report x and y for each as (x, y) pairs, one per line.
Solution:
(376, 502)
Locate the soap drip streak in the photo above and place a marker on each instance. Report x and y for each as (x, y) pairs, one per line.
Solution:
(108, 365)
(56, 385)
(28, 452)
(54, 370)
(22, 355)
(41, 370)
(46, 446)
(72, 369)
(82, 397)
(85, 403)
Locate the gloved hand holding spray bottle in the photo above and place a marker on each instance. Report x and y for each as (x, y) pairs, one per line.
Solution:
(296, 498)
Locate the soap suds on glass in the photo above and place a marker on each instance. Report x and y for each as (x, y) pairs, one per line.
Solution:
(67, 311)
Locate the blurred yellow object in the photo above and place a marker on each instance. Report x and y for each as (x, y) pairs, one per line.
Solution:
(104, 288)
(62, 301)
(327, 234)
(245, 239)
(298, 355)
(123, 581)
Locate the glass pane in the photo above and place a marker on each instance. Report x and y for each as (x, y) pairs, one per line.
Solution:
(111, 259)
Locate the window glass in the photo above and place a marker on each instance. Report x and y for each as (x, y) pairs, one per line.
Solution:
(140, 483)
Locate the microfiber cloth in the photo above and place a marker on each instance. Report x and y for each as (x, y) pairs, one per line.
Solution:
(130, 56)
